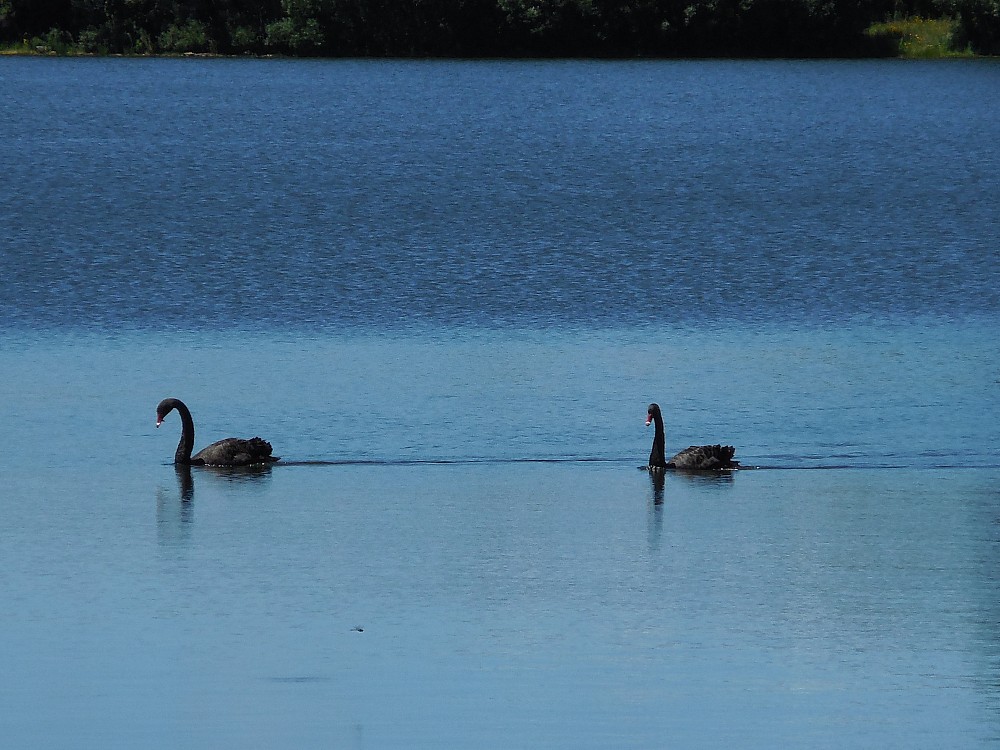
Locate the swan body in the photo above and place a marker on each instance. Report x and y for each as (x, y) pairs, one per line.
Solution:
(227, 452)
(693, 458)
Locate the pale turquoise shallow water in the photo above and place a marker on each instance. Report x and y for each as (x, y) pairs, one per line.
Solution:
(529, 606)
(500, 600)
(446, 293)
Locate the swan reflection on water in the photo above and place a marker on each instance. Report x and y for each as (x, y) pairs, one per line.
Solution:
(232, 474)
(181, 510)
(253, 474)
(654, 527)
(658, 480)
(174, 515)
(186, 482)
(704, 477)
(175, 512)
(658, 483)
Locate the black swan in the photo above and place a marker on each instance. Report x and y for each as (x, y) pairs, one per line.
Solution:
(228, 452)
(695, 458)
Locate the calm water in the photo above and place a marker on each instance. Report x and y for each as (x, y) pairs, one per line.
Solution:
(446, 293)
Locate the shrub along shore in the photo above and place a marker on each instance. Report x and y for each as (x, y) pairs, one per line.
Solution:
(504, 28)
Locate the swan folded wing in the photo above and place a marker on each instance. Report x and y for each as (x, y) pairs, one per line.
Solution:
(705, 457)
(235, 452)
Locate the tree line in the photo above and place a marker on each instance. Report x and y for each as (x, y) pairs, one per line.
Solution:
(485, 28)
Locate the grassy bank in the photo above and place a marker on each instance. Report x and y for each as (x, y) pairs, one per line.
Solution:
(918, 38)
(56, 42)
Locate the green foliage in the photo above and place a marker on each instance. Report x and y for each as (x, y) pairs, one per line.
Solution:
(89, 42)
(245, 40)
(979, 25)
(299, 32)
(916, 37)
(191, 36)
(478, 28)
(297, 36)
(55, 42)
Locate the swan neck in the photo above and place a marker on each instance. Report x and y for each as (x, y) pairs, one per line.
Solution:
(657, 457)
(183, 454)
(658, 426)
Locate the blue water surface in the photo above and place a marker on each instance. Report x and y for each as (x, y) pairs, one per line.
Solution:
(446, 293)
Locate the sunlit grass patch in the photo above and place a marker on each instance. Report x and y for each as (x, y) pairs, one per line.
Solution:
(918, 37)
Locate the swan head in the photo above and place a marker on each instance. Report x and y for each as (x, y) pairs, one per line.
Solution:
(652, 413)
(163, 409)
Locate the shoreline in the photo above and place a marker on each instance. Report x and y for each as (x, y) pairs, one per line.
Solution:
(911, 38)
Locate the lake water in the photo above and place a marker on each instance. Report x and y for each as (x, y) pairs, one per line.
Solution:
(446, 293)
